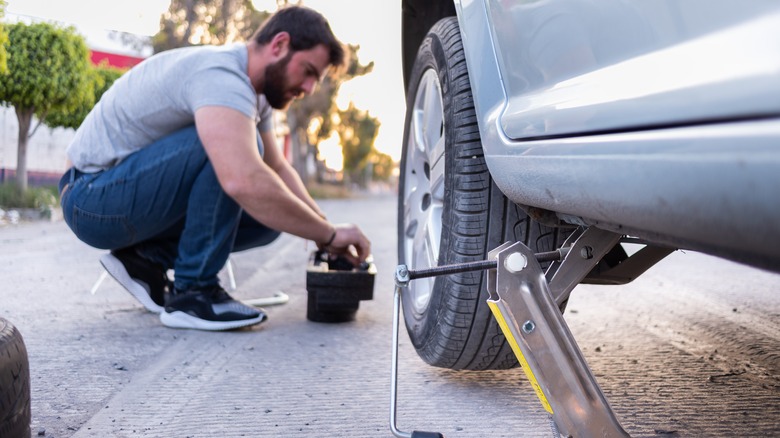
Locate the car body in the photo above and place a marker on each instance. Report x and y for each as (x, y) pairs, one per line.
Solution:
(577, 126)
(657, 120)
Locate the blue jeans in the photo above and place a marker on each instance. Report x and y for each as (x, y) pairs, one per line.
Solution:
(165, 201)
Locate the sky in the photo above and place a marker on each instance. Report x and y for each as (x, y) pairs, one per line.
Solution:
(373, 24)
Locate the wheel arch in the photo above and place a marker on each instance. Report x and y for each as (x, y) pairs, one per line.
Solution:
(417, 18)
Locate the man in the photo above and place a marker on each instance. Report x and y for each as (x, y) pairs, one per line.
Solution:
(168, 171)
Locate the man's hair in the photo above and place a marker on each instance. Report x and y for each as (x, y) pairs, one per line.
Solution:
(307, 29)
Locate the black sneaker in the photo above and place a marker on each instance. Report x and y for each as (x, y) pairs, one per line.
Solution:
(146, 281)
(210, 308)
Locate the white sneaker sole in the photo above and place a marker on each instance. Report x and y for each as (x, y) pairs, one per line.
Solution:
(184, 320)
(117, 270)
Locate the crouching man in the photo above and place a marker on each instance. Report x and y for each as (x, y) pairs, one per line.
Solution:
(175, 168)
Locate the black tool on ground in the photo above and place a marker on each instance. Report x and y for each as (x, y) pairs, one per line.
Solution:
(336, 287)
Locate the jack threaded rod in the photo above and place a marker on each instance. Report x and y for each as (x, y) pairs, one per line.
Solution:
(480, 265)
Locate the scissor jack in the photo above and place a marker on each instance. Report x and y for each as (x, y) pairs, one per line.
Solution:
(527, 306)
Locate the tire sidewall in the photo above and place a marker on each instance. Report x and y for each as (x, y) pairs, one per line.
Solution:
(14, 383)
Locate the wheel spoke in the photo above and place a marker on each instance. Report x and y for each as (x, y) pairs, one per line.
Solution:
(418, 116)
(423, 257)
(433, 237)
(437, 176)
(433, 119)
(437, 150)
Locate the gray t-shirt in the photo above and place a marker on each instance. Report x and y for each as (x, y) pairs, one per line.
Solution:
(160, 96)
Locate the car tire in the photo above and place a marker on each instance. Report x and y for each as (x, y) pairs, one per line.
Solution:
(450, 211)
(14, 383)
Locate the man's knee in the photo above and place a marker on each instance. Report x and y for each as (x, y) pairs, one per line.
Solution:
(253, 234)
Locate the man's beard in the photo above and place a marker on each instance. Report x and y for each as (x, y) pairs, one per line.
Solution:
(275, 83)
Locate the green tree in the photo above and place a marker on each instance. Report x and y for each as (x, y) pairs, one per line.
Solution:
(194, 22)
(101, 78)
(47, 70)
(357, 131)
(318, 109)
(383, 166)
(3, 41)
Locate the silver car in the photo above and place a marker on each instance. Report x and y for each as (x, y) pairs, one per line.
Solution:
(542, 121)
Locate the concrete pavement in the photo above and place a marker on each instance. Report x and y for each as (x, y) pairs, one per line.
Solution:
(103, 367)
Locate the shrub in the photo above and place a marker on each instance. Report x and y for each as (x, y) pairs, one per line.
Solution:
(40, 198)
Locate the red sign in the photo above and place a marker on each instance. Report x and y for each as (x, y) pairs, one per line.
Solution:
(114, 60)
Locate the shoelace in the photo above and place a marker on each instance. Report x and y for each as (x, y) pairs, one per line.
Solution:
(168, 284)
(217, 293)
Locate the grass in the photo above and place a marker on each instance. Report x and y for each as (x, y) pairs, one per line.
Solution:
(40, 198)
(45, 198)
(328, 191)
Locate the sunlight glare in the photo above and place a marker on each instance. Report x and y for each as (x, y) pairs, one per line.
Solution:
(330, 151)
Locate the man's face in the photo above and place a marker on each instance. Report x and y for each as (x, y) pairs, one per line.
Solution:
(294, 75)
(275, 85)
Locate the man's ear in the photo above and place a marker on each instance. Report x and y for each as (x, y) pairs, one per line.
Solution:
(280, 45)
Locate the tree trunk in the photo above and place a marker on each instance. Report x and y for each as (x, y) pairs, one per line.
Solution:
(226, 17)
(319, 174)
(191, 16)
(304, 153)
(298, 146)
(24, 116)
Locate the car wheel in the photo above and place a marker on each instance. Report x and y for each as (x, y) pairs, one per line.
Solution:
(450, 211)
(14, 383)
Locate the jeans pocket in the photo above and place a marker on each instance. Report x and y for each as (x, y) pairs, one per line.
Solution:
(102, 231)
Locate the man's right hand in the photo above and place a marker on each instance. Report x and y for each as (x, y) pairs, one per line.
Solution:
(350, 242)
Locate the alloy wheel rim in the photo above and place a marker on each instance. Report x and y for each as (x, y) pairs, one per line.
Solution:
(423, 196)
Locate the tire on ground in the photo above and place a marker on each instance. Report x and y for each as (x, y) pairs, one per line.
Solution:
(14, 383)
(457, 329)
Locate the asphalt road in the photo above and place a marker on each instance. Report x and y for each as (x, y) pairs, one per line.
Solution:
(692, 348)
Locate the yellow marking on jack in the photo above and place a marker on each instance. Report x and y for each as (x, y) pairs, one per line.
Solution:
(516, 348)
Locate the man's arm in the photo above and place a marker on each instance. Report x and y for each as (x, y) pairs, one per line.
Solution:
(229, 138)
(275, 159)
